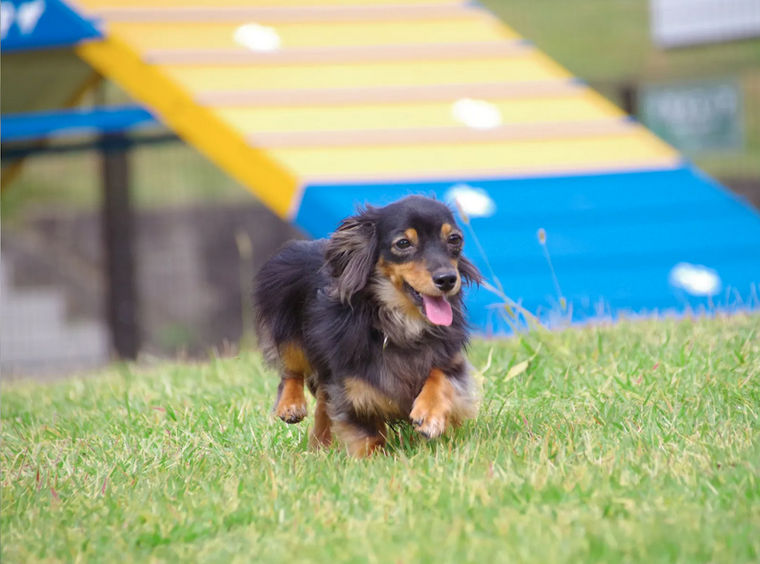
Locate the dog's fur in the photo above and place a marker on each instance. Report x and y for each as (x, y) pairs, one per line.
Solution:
(347, 316)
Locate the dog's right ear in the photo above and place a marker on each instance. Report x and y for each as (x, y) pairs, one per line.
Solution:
(350, 254)
(469, 272)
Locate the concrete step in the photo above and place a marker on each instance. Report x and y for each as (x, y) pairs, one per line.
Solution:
(84, 342)
(35, 336)
(32, 310)
(5, 277)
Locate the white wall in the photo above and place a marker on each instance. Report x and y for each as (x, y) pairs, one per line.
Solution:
(690, 22)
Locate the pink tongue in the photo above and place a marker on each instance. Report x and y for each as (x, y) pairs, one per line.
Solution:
(438, 310)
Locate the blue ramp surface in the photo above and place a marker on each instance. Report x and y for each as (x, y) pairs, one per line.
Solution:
(628, 242)
(319, 106)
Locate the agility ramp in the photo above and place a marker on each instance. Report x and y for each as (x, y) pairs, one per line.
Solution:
(320, 106)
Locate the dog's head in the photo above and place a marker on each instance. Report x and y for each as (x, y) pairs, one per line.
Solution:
(411, 248)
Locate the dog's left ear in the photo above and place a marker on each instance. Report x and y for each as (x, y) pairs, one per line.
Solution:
(469, 272)
(350, 254)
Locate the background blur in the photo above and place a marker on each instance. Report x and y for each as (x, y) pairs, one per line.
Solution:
(199, 236)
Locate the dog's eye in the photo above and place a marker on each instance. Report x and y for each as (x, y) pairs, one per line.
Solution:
(403, 244)
(455, 239)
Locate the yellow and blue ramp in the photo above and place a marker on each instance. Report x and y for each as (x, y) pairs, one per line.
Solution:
(319, 106)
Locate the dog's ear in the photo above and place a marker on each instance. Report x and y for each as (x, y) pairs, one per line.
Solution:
(469, 272)
(350, 254)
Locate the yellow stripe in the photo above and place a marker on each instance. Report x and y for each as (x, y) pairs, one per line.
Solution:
(523, 68)
(585, 106)
(163, 35)
(98, 4)
(197, 125)
(439, 135)
(636, 148)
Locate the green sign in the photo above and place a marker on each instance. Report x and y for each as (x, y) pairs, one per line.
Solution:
(696, 116)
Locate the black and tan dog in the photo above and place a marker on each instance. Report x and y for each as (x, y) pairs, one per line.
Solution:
(372, 320)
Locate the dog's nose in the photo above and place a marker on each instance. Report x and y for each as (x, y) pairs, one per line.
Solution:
(445, 281)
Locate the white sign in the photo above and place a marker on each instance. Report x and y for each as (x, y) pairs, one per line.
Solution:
(695, 116)
(690, 22)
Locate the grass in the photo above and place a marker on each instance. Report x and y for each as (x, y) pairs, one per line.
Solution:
(609, 40)
(636, 442)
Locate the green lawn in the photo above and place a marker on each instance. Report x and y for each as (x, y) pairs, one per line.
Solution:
(636, 442)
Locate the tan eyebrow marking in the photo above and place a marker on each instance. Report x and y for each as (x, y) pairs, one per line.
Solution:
(446, 230)
(411, 234)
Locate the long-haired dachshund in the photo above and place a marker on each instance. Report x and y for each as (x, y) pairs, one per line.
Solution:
(372, 320)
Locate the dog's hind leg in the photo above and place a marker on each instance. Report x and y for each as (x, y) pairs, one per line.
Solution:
(291, 401)
(321, 434)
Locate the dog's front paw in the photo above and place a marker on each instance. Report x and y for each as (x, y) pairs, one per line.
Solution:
(291, 402)
(427, 420)
(291, 412)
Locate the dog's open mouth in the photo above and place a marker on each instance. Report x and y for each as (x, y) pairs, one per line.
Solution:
(436, 308)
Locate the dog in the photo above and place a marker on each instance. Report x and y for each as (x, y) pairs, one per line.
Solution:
(372, 321)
